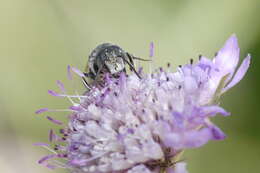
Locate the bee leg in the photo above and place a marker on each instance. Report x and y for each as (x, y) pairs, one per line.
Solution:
(86, 84)
(130, 57)
(141, 59)
(131, 65)
(98, 73)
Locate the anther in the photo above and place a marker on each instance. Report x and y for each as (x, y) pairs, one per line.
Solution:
(170, 107)
(191, 61)
(61, 131)
(156, 116)
(200, 56)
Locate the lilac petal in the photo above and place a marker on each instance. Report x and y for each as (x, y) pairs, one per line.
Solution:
(178, 168)
(178, 120)
(69, 75)
(53, 93)
(61, 86)
(41, 144)
(140, 169)
(188, 139)
(205, 63)
(198, 138)
(213, 110)
(190, 84)
(41, 110)
(54, 121)
(77, 71)
(217, 134)
(45, 158)
(228, 57)
(151, 49)
(240, 73)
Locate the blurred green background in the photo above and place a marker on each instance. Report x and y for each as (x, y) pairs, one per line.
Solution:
(39, 38)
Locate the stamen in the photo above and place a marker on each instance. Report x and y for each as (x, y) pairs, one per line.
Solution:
(151, 54)
(76, 108)
(53, 93)
(191, 61)
(151, 49)
(200, 56)
(61, 165)
(77, 71)
(41, 110)
(51, 135)
(45, 158)
(80, 162)
(50, 166)
(69, 75)
(60, 110)
(41, 144)
(54, 121)
(61, 86)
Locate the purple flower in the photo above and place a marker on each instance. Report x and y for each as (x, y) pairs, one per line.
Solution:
(133, 125)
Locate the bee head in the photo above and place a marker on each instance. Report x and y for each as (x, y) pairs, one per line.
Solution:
(113, 59)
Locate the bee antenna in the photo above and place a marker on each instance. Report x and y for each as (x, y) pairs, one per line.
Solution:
(141, 59)
(131, 66)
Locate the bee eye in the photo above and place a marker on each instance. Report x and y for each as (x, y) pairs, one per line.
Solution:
(95, 68)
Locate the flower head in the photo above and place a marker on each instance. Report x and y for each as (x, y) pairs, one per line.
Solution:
(143, 125)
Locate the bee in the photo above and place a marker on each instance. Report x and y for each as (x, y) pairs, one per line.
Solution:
(108, 58)
(169, 161)
(163, 164)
